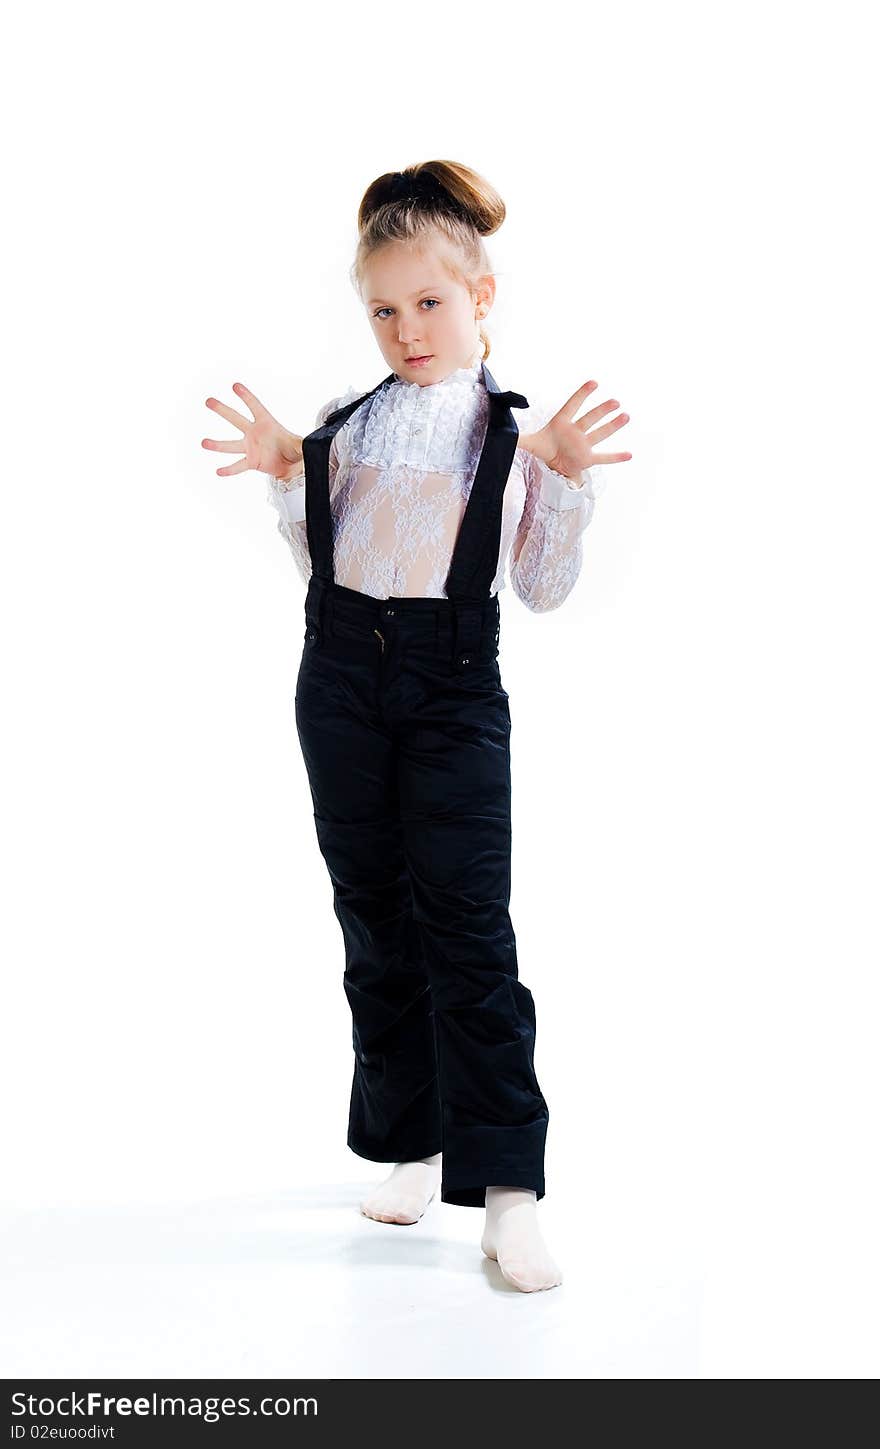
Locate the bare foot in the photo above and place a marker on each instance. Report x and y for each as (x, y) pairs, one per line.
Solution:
(404, 1196)
(512, 1238)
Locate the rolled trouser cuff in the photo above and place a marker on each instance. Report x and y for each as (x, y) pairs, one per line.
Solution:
(478, 1157)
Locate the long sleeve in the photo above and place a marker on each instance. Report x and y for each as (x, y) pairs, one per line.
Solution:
(547, 550)
(288, 497)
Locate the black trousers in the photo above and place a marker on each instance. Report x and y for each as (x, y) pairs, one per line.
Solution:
(408, 761)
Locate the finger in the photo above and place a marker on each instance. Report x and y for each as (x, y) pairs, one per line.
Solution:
(609, 428)
(251, 399)
(240, 467)
(569, 408)
(229, 414)
(595, 414)
(610, 458)
(222, 445)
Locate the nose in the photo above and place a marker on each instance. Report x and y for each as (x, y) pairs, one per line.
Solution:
(406, 333)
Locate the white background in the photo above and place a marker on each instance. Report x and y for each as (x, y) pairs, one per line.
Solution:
(694, 731)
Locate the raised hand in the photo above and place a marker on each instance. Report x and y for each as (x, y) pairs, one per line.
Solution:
(267, 445)
(568, 444)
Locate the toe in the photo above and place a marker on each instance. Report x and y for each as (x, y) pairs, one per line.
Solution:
(518, 1275)
(528, 1278)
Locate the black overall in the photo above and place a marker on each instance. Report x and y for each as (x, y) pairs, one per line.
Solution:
(405, 732)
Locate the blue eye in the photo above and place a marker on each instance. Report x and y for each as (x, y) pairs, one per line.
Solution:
(424, 299)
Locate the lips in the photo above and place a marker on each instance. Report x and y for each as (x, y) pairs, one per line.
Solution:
(426, 358)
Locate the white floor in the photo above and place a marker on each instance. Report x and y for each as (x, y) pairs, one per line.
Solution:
(300, 1284)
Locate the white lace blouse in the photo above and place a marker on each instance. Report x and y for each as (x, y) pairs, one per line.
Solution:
(401, 470)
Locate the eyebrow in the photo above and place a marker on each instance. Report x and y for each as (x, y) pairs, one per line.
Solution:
(373, 300)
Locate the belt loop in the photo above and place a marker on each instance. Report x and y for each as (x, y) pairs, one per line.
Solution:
(468, 632)
(490, 628)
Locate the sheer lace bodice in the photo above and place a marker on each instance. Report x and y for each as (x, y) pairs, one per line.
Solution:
(401, 470)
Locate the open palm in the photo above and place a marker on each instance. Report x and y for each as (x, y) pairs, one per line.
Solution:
(568, 444)
(267, 445)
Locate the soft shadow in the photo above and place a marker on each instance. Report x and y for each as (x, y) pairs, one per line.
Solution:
(318, 1223)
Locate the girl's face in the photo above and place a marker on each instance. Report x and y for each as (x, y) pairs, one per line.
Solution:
(417, 310)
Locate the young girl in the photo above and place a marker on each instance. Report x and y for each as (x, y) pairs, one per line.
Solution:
(401, 509)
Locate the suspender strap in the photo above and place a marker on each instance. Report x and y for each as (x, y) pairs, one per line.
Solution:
(475, 559)
(316, 609)
(316, 457)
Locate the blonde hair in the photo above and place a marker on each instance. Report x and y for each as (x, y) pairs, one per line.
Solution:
(431, 200)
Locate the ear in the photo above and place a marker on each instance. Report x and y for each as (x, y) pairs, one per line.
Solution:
(485, 295)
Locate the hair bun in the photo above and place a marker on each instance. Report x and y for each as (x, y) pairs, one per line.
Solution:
(424, 186)
(432, 189)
